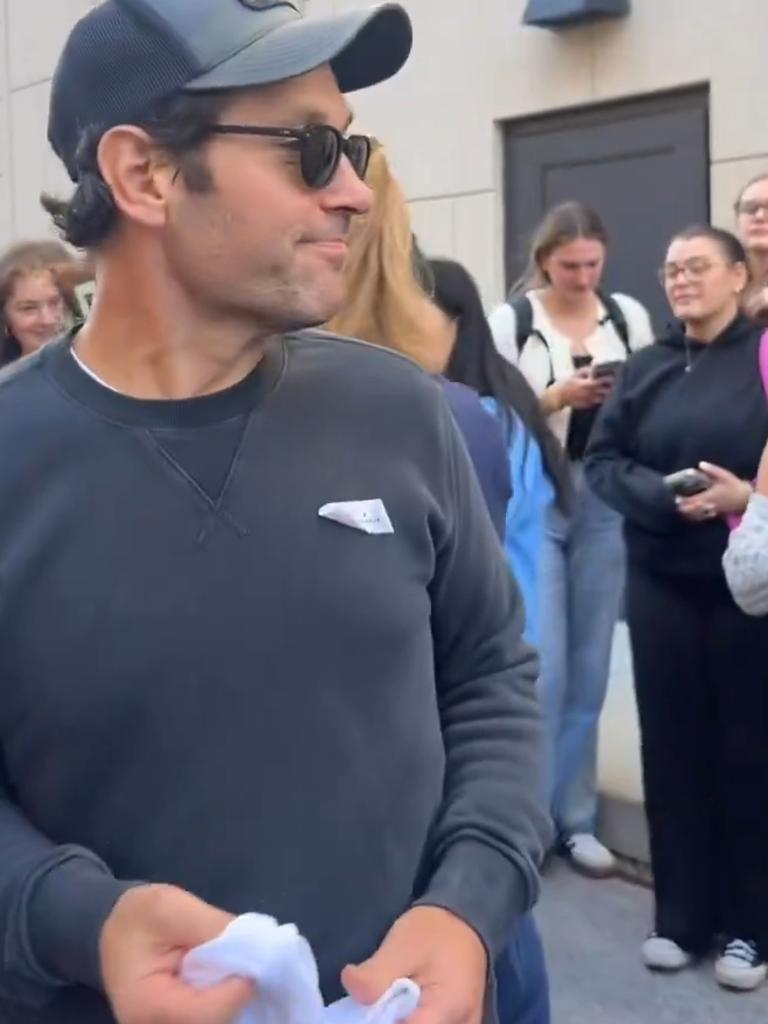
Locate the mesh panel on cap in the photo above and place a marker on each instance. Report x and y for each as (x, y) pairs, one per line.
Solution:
(112, 69)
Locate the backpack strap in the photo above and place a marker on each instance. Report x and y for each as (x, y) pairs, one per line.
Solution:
(523, 310)
(615, 314)
(764, 362)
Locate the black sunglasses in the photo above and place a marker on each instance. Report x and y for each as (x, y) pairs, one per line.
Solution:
(321, 147)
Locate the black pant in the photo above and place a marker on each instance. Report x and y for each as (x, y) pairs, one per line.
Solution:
(701, 677)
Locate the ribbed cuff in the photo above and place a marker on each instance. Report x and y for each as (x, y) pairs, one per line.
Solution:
(484, 888)
(66, 911)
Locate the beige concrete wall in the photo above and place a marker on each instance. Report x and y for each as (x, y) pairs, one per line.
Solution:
(31, 36)
(474, 65)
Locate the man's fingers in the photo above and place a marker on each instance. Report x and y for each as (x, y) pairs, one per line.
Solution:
(192, 919)
(368, 981)
(436, 1007)
(225, 1001)
(219, 1004)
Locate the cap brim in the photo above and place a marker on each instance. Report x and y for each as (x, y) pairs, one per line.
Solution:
(362, 47)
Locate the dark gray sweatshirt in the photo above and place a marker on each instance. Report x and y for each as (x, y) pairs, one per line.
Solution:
(206, 683)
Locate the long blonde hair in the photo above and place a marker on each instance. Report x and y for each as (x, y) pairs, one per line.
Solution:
(385, 302)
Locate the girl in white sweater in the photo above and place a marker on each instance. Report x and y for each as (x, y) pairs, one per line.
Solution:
(568, 340)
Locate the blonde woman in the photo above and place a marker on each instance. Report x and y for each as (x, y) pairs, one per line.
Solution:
(431, 310)
(752, 229)
(569, 339)
(387, 305)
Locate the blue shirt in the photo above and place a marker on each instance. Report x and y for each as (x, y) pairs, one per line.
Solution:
(532, 494)
(487, 449)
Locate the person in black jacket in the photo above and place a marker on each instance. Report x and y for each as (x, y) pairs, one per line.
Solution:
(699, 662)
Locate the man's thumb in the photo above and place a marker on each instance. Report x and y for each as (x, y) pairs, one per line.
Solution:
(368, 981)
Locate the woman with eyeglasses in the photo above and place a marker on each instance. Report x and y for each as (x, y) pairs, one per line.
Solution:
(752, 229)
(568, 339)
(673, 451)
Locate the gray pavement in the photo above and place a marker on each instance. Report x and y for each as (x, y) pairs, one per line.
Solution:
(592, 932)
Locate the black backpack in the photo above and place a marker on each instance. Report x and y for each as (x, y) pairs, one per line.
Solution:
(521, 304)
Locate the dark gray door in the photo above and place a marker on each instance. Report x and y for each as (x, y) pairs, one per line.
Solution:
(642, 164)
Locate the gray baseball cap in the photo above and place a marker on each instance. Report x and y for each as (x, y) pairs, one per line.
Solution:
(125, 55)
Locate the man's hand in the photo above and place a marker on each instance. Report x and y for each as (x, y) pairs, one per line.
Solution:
(143, 942)
(441, 953)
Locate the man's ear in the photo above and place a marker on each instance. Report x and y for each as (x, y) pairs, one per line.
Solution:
(140, 182)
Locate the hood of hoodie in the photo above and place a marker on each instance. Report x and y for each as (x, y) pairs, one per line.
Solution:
(736, 332)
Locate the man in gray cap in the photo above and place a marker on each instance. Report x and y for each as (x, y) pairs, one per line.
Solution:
(260, 647)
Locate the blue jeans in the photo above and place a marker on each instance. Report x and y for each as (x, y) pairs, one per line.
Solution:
(522, 986)
(582, 577)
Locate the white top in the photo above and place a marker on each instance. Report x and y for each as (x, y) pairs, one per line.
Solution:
(540, 363)
(746, 560)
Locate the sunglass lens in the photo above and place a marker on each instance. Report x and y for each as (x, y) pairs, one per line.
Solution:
(358, 150)
(320, 155)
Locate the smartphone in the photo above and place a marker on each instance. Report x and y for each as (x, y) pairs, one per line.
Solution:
(687, 482)
(600, 371)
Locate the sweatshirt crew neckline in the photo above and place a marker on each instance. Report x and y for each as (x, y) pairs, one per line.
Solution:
(239, 399)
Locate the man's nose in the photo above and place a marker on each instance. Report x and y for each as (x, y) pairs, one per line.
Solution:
(347, 190)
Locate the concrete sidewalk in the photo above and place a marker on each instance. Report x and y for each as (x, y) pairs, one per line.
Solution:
(592, 932)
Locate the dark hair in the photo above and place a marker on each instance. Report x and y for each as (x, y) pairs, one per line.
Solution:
(178, 124)
(563, 224)
(476, 362)
(726, 241)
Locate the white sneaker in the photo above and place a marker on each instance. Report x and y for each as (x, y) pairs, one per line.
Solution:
(589, 855)
(740, 966)
(660, 954)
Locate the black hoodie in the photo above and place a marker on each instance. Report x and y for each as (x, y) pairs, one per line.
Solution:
(676, 404)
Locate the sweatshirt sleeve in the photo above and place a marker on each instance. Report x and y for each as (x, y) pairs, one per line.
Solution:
(54, 901)
(636, 491)
(746, 559)
(491, 831)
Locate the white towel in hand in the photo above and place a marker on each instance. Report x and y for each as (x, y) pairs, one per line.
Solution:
(280, 962)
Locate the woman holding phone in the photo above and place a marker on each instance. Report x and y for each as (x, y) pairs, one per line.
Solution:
(673, 451)
(568, 340)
